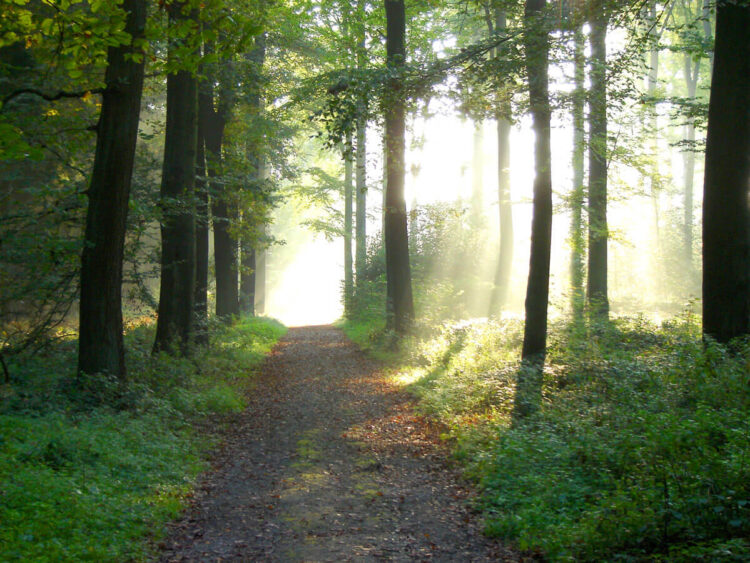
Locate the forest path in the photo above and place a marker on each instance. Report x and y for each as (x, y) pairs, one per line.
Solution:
(329, 463)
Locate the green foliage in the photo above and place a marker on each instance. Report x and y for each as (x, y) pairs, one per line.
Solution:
(446, 249)
(90, 470)
(639, 451)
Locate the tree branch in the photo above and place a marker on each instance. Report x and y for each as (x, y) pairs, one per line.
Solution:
(48, 97)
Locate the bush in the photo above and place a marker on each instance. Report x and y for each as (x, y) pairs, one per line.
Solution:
(639, 451)
(90, 469)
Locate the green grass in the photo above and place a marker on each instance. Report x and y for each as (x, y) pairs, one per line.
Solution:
(91, 470)
(640, 450)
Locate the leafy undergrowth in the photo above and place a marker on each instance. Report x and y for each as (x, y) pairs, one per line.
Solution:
(640, 450)
(90, 469)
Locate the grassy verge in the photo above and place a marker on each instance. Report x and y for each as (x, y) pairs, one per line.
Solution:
(641, 450)
(91, 470)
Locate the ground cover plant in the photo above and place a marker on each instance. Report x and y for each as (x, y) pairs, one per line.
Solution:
(640, 450)
(90, 469)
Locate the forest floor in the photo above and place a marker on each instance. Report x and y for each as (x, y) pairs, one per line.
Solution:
(330, 463)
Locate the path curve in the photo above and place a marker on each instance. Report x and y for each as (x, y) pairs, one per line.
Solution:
(329, 463)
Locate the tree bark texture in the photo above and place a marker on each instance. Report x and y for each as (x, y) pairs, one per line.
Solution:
(361, 174)
(247, 280)
(726, 220)
(213, 117)
(598, 235)
(348, 203)
(100, 344)
(174, 327)
(360, 236)
(202, 225)
(254, 154)
(260, 277)
(400, 307)
(577, 196)
(528, 388)
(537, 291)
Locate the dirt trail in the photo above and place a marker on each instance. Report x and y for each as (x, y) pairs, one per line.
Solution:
(329, 463)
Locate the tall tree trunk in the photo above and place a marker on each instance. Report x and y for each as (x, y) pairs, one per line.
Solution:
(384, 183)
(577, 196)
(726, 220)
(361, 196)
(598, 235)
(261, 255)
(348, 200)
(537, 292)
(201, 242)
(400, 307)
(691, 70)
(477, 175)
(653, 126)
(361, 176)
(100, 343)
(254, 155)
(499, 296)
(177, 290)
(536, 40)
(247, 279)
(225, 251)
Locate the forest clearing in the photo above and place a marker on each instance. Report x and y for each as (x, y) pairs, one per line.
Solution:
(375, 280)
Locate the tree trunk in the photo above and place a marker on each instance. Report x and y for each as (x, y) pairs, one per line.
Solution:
(225, 251)
(691, 70)
(726, 220)
(254, 155)
(400, 307)
(537, 292)
(361, 196)
(477, 175)
(577, 234)
(177, 289)
(653, 127)
(100, 343)
(260, 277)
(499, 296)
(348, 197)
(528, 393)
(361, 177)
(201, 242)
(247, 280)
(598, 235)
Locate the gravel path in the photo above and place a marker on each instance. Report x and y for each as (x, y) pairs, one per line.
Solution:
(329, 463)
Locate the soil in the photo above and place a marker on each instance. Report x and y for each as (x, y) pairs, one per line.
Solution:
(330, 463)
